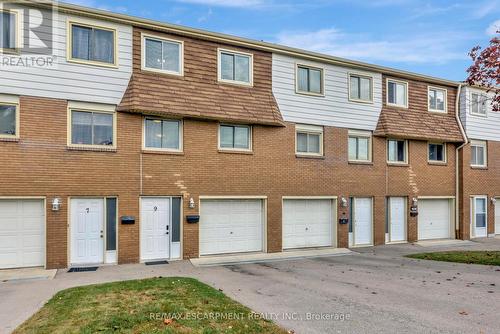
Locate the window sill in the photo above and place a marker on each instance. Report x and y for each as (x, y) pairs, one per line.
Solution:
(354, 162)
(437, 163)
(92, 149)
(10, 139)
(442, 112)
(151, 71)
(361, 101)
(236, 152)
(310, 94)
(146, 151)
(236, 83)
(396, 106)
(479, 167)
(396, 164)
(305, 156)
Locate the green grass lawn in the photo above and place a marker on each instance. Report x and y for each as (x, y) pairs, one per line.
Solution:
(140, 307)
(491, 258)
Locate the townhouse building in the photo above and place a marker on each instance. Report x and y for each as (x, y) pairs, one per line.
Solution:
(148, 141)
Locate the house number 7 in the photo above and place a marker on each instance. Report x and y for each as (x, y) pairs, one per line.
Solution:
(88, 210)
(155, 208)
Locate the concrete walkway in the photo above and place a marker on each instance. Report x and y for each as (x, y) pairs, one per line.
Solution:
(376, 288)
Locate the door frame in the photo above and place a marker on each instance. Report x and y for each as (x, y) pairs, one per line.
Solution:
(44, 198)
(452, 205)
(181, 226)
(104, 212)
(263, 200)
(353, 210)
(389, 216)
(473, 215)
(334, 201)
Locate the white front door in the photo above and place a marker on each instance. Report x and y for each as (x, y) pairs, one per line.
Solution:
(363, 225)
(497, 217)
(307, 223)
(231, 226)
(87, 231)
(397, 219)
(434, 219)
(155, 228)
(22, 233)
(479, 217)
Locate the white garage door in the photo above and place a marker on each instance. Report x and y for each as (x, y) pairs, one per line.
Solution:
(307, 223)
(22, 233)
(434, 219)
(231, 226)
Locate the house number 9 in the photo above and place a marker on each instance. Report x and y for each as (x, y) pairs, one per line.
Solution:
(155, 208)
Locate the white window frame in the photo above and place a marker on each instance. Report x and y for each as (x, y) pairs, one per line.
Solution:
(313, 130)
(480, 97)
(445, 153)
(145, 36)
(220, 51)
(439, 111)
(405, 162)
(359, 75)
(93, 108)
(311, 67)
(231, 149)
(405, 83)
(8, 100)
(361, 134)
(90, 24)
(484, 145)
(18, 24)
(159, 149)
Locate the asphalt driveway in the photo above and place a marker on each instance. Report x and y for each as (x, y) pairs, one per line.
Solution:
(374, 290)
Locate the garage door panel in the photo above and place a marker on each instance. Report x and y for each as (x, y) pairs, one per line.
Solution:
(307, 223)
(231, 226)
(434, 219)
(22, 233)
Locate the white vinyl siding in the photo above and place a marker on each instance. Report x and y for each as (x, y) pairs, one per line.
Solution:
(478, 153)
(479, 126)
(397, 151)
(162, 55)
(309, 140)
(334, 108)
(437, 99)
(397, 93)
(309, 80)
(69, 80)
(360, 88)
(235, 67)
(360, 143)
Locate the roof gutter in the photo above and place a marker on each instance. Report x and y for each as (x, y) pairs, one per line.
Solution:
(224, 38)
(457, 161)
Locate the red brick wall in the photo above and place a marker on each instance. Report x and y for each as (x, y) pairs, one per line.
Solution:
(477, 182)
(41, 165)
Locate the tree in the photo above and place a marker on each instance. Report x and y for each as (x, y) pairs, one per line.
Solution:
(485, 69)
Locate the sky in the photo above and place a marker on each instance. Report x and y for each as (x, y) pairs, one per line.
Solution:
(424, 36)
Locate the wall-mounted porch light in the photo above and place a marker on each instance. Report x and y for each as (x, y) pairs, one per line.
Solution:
(56, 204)
(191, 203)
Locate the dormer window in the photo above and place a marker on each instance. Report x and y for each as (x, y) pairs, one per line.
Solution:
(437, 99)
(235, 67)
(397, 93)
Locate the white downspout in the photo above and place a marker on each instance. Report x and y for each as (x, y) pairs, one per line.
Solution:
(457, 167)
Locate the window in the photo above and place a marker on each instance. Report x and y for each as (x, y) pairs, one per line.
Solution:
(480, 211)
(478, 104)
(90, 128)
(235, 137)
(92, 44)
(361, 88)
(163, 134)
(8, 30)
(397, 93)
(235, 67)
(9, 122)
(478, 153)
(162, 55)
(111, 214)
(309, 140)
(309, 80)
(397, 151)
(360, 146)
(437, 152)
(437, 99)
